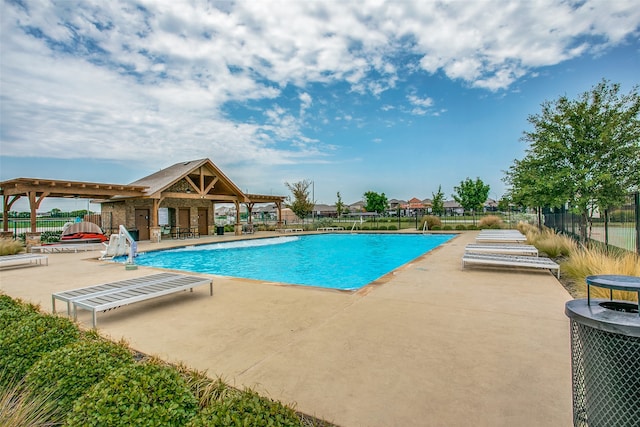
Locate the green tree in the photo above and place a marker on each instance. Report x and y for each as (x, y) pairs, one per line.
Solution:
(339, 205)
(437, 203)
(471, 195)
(301, 205)
(585, 152)
(375, 202)
(504, 203)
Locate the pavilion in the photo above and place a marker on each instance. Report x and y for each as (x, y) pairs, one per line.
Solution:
(180, 196)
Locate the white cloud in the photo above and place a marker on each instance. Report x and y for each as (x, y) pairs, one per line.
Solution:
(153, 80)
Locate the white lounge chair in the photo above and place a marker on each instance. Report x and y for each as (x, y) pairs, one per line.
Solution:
(497, 236)
(69, 247)
(20, 260)
(513, 249)
(118, 298)
(91, 291)
(510, 261)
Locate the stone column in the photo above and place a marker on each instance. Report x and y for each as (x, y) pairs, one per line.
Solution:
(155, 234)
(32, 239)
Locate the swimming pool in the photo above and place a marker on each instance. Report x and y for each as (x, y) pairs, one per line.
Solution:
(337, 261)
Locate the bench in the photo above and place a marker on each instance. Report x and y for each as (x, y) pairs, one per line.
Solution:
(330, 229)
(104, 297)
(289, 230)
(77, 294)
(60, 248)
(22, 260)
(514, 249)
(510, 261)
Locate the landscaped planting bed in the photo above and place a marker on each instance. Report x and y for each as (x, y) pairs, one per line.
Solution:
(53, 373)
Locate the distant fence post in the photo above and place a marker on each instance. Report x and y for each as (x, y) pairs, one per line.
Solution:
(637, 208)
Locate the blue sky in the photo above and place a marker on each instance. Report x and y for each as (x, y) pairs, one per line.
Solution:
(395, 97)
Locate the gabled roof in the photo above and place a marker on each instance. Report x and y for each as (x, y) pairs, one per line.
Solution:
(200, 176)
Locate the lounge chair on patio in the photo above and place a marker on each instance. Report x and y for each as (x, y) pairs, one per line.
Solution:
(509, 249)
(112, 295)
(498, 236)
(509, 261)
(91, 291)
(21, 260)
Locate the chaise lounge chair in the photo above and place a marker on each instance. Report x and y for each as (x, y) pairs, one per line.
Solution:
(508, 249)
(112, 295)
(509, 261)
(501, 236)
(21, 260)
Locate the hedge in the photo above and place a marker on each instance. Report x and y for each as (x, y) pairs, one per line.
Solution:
(65, 374)
(28, 339)
(246, 408)
(140, 394)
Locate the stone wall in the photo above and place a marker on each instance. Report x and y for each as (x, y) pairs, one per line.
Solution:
(123, 212)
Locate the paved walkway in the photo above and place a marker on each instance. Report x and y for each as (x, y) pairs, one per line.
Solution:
(430, 345)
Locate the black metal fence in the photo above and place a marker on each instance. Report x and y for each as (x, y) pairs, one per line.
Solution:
(617, 227)
(22, 225)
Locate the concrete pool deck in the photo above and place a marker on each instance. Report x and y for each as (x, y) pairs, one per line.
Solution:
(430, 345)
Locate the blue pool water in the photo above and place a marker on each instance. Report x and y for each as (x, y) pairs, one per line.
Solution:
(338, 261)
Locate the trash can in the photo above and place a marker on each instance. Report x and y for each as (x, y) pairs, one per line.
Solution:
(219, 230)
(135, 234)
(605, 355)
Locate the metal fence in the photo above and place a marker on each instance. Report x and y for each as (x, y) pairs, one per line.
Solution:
(23, 225)
(617, 227)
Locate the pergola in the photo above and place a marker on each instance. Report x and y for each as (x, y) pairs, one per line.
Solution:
(36, 190)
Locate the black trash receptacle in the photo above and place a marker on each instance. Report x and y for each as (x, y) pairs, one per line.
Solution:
(605, 344)
(135, 234)
(219, 230)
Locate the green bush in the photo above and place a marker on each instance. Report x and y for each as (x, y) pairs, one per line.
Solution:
(447, 227)
(146, 394)
(461, 227)
(472, 227)
(50, 236)
(436, 227)
(14, 310)
(28, 339)
(246, 408)
(392, 227)
(382, 227)
(65, 374)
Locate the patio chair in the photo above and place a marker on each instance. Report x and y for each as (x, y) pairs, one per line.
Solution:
(498, 260)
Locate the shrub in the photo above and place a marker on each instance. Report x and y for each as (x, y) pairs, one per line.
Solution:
(382, 227)
(585, 262)
(140, 394)
(30, 338)
(460, 227)
(246, 408)
(431, 220)
(447, 227)
(436, 227)
(472, 227)
(14, 310)
(554, 245)
(67, 373)
(50, 236)
(10, 246)
(205, 390)
(392, 227)
(490, 221)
